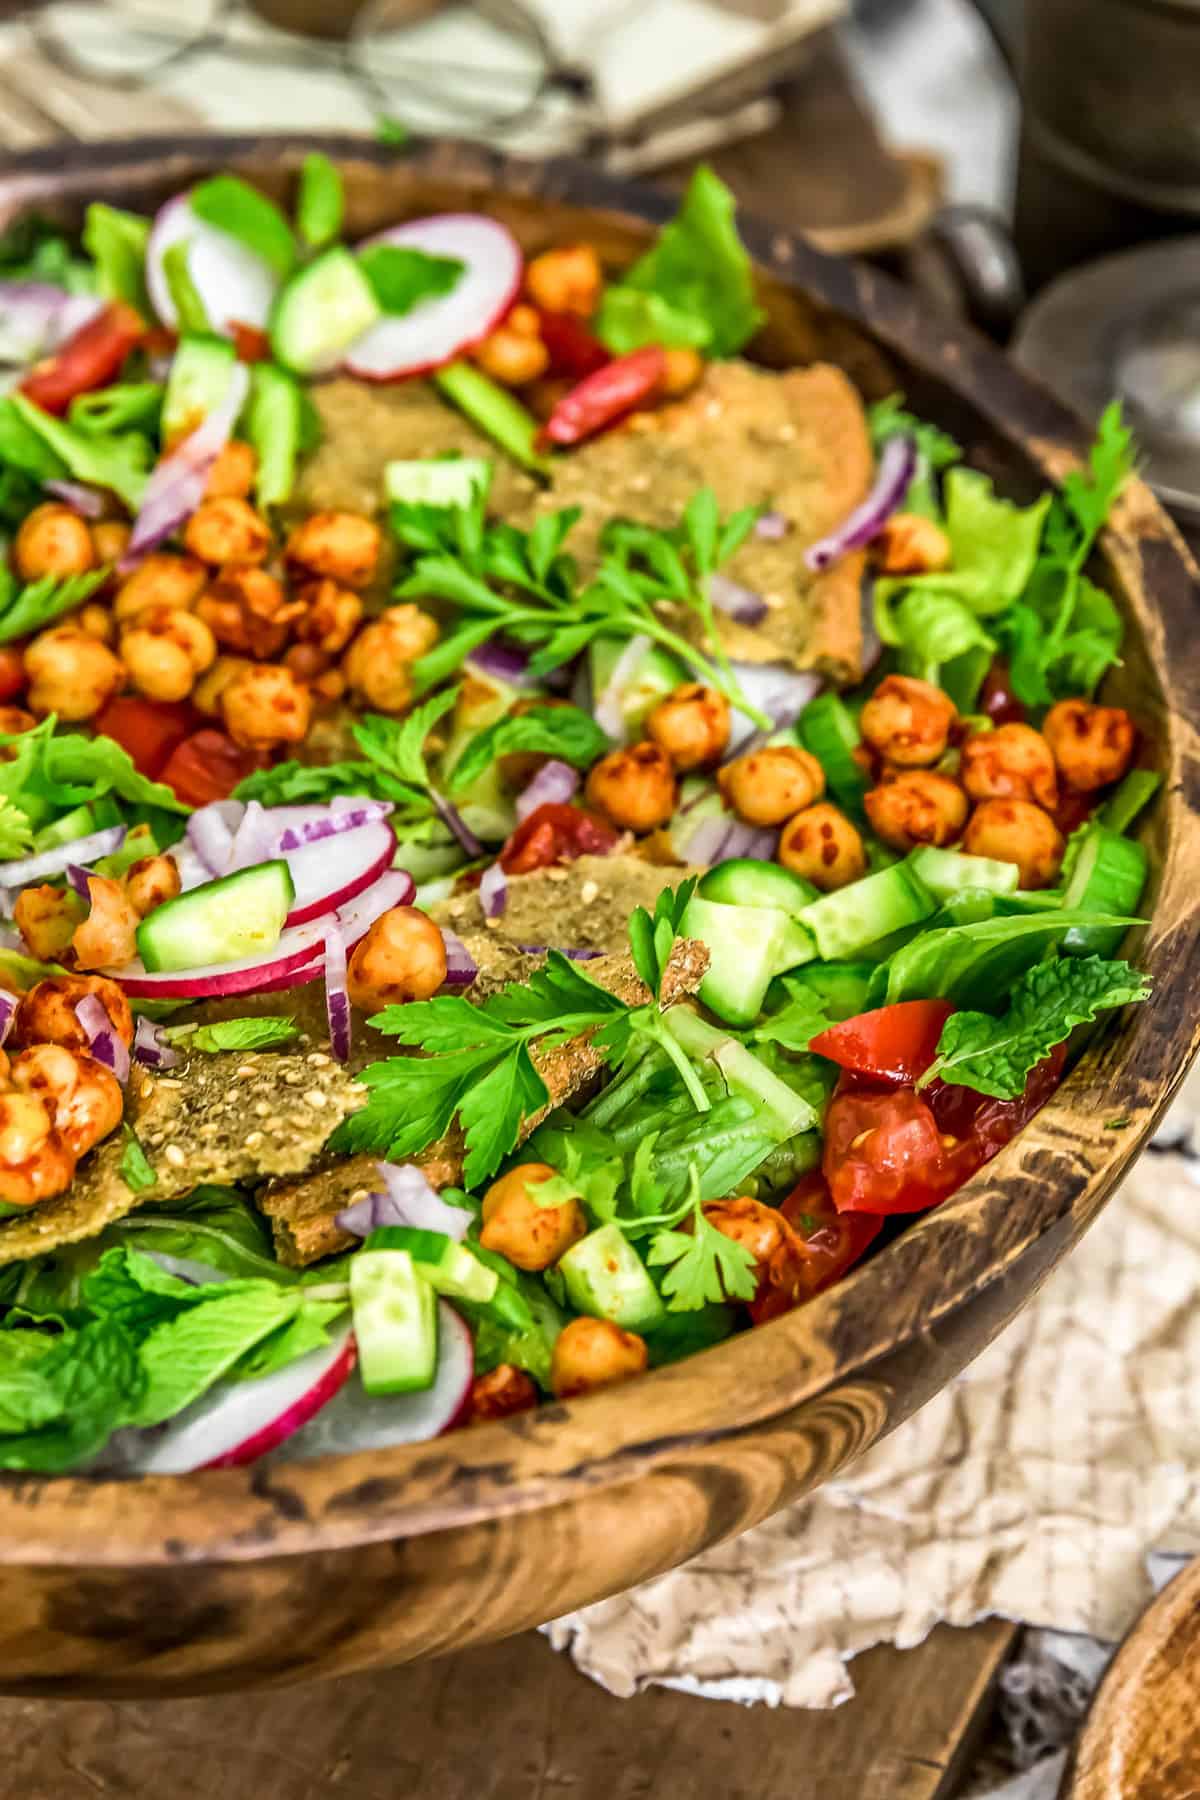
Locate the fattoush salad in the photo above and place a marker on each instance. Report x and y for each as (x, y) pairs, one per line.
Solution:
(529, 842)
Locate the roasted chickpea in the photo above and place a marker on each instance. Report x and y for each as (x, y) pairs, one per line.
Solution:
(691, 725)
(566, 280)
(46, 1014)
(330, 686)
(1092, 745)
(110, 539)
(910, 544)
(164, 651)
(97, 621)
(71, 673)
(1018, 832)
(25, 1123)
(500, 1393)
(49, 1171)
(760, 1229)
(150, 881)
(908, 721)
(53, 540)
(915, 807)
(341, 545)
(511, 357)
(227, 531)
(374, 667)
(14, 720)
(681, 374)
(306, 662)
(594, 1353)
(160, 580)
(402, 957)
(541, 397)
(634, 788)
(264, 705)
(206, 695)
(46, 918)
(1014, 762)
(528, 1235)
(330, 615)
(821, 844)
(80, 1096)
(234, 473)
(106, 939)
(768, 786)
(246, 609)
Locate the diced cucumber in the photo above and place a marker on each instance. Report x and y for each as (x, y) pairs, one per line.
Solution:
(606, 1278)
(744, 882)
(275, 426)
(320, 312)
(1108, 877)
(848, 920)
(1135, 791)
(77, 823)
(828, 730)
(428, 850)
(197, 384)
(841, 988)
(436, 481)
(496, 412)
(395, 1322)
(653, 676)
(747, 947)
(947, 872)
(486, 806)
(449, 1267)
(222, 921)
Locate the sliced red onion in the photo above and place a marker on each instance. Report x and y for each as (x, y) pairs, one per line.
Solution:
(210, 834)
(453, 820)
(407, 1199)
(897, 466)
(150, 1048)
(721, 839)
(607, 711)
(176, 487)
(88, 501)
(554, 784)
(54, 862)
(36, 317)
(79, 878)
(461, 968)
(739, 603)
(254, 840)
(782, 693)
(8, 1012)
(771, 527)
(500, 661)
(344, 815)
(337, 999)
(106, 1045)
(493, 892)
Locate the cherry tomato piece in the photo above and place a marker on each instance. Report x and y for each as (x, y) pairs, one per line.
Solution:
(884, 1153)
(555, 833)
(893, 1043)
(983, 1125)
(148, 729)
(90, 359)
(573, 350)
(251, 344)
(208, 766)
(603, 398)
(996, 700)
(13, 679)
(826, 1244)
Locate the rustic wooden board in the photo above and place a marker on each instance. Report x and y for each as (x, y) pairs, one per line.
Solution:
(514, 1722)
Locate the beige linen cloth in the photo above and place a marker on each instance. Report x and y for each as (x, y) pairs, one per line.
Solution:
(1033, 1487)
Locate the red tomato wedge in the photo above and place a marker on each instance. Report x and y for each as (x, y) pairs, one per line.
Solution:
(207, 766)
(603, 398)
(893, 1043)
(13, 679)
(90, 359)
(555, 834)
(825, 1245)
(884, 1153)
(148, 729)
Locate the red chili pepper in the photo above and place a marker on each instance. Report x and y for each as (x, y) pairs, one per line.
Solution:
(605, 397)
(573, 349)
(90, 359)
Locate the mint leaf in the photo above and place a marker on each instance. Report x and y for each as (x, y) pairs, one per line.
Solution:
(269, 1032)
(401, 277)
(136, 1170)
(563, 732)
(239, 210)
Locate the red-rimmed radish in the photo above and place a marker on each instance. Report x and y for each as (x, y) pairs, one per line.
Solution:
(233, 283)
(296, 949)
(356, 1420)
(334, 870)
(436, 330)
(356, 918)
(237, 1422)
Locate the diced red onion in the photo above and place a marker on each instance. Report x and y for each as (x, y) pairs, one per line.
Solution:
(54, 862)
(106, 1045)
(407, 1199)
(36, 317)
(771, 527)
(210, 833)
(344, 815)
(149, 1047)
(897, 466)
(739, 603)
(176, 487)
(719, 840)
(8, 1012)
(79, 878)
(607, 710)
(501, 662)
(461, 968)
(781, 693)
(337, 999)
(571, 952)
(553, 785)
(453, 820)
(493, 892)
(88, 501)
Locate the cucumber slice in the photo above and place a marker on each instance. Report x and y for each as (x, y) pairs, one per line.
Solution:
(744, 882)
(849, 920)
(747, 947)
(1122, 807)
(222, 921)
(196, 385)
(395, 1322)
(448, 482)
(79, 822)
(1108, 877)
(321, 311)
(606, 1278)
(653, 676)
(947, 872)
(828, 731)
(449, 1267)
(275, 426)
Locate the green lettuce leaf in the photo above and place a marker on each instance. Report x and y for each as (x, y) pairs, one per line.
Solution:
(120, 462)
(116, 242)
(995, 548)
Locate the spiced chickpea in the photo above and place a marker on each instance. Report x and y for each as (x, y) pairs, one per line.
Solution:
(341, 545)
(227, 531)
(374, 668)
(910, 544)
(1014, 762)
(46, 918)
(53, 540)
(760, 1229)
(402, 957)
(71, 673)
(206, 695)
(80, 1096)
(150, 882)
(594, 1353)
(164, 651)
(14, 719)
(908, 721)
(634, 788)
(247, 610)
(110, 539)
(768, 786)
(500, 1393)
(234, 472)
(1092, 745)
(106, 938)
(97, 621)
(681, 373)
(49, 1170)
(1018, 832)
(330, 615)
(46, 1014)
(511, 357)
(691, 725)
(161, 579)
(264, 705)
(823, 846)
(528, 1235)
(915, 806)
(25, 1124)
(566, 280)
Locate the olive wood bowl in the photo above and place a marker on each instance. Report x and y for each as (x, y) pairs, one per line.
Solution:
(173, 1585)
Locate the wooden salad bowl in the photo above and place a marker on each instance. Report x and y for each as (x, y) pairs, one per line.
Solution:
(169, 1585)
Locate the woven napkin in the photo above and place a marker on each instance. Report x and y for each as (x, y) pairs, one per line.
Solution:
(1032, 1487)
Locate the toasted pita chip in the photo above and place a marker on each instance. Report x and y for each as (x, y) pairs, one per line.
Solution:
(584, 905)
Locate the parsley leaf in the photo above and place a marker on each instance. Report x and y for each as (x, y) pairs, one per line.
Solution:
(266, 1033)
(564, 732)
(702, 1265)
(996, 1055)
(29, 608)
(394, 768)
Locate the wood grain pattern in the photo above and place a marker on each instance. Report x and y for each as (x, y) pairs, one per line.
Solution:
(177, 1585)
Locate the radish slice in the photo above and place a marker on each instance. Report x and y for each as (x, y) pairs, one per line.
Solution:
(297, 947)
(232, 281)
(438, 329)
(357, 1420)
(356, 918)
(332, 871)
(237, 1422)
